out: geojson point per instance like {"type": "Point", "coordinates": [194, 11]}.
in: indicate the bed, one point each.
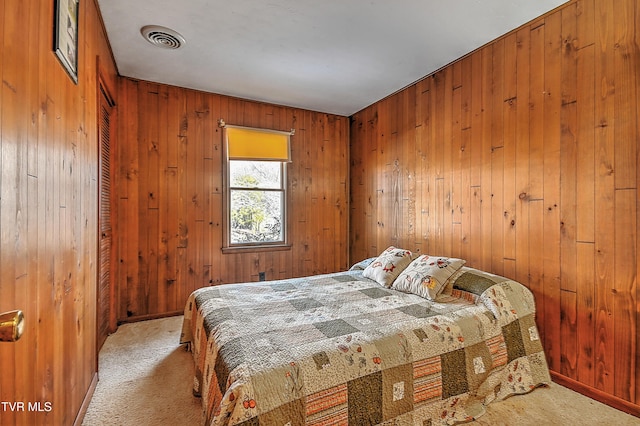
{"type": "Point", "coordinates": [349, 348]}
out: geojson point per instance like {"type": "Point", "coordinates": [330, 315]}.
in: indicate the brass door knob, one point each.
{"type": "Point", "coordinates": [11, 326]}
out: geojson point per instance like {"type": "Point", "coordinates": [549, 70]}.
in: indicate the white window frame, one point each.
{"type": "Point", "coordinates": [230, 247]}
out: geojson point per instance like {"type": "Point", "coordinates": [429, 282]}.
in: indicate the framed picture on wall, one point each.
{"type": "Point", "coordinates": [66, 36]}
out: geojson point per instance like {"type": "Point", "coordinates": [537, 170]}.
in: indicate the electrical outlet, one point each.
{"type": "Point", "coordinates": [261, 276]}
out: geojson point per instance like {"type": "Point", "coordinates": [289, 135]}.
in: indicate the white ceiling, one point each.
{"type": "Point", "coordinates": [335, 56]}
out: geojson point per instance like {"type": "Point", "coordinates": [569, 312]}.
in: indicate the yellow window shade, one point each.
{"type": "Point", "coordinates": [255, 144]}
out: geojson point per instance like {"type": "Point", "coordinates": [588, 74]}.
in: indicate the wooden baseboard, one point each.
{"type": "Point", "coordinates": [86, 400]}
{"type": "Point", "coordinates": [150, 317]}
{"type": "Point", "coordinates": [596, 394]}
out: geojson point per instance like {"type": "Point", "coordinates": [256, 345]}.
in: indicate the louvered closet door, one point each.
{"type": "Point", "coordinates": [104, 223]}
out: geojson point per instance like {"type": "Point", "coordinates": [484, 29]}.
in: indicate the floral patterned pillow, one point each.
{"type": "Point", "coordinates": [388, 265]}
{"type": "Point", "coordinates": [427, 275]}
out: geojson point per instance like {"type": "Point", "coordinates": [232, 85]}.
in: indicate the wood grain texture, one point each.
{"type": "Point", "coordinates": [170, 222]}
{"type": "Point", "coordinates": [546, 122]}
{"type": "Point", "coordinates": [49, 152]}
{"type": "Point", "coordinates": [604, 195]}
{"type": "Point", "coordinates": [521, 158]}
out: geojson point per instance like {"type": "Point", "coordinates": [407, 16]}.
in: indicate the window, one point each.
{"type": "Point", "coordinates": [257, 202]}
{"type": "Point", "coordinates": [255, 188]}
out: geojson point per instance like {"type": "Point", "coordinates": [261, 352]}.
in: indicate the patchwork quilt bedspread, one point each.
{"type": "Point", "coordinates": [341, 349]}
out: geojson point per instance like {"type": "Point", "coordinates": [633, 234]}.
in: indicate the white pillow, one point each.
{"type": "Point", "coordinates": [388, 265]}
{"type": "Point", "coordinates": [427, 275]}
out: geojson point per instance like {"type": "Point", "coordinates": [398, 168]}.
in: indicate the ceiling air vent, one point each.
{"type": "Point", "coordinates": [162, 36]}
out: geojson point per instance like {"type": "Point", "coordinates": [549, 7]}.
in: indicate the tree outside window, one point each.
{"type": "Point", "coordinates": [256, 202]}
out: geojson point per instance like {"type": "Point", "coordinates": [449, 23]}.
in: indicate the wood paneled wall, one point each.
{"type": "Point", "coordinates": [522, 158]}
{"type": "Point", "coordinates": [169, 195]}
{"type": "Point", "coordinates": [48, 216]}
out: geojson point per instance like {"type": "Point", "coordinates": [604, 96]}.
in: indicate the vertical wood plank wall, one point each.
{"type": "Point", "coordinates": [522, 158]}
{"type": "Point", "coordinates": [169, 195]}
{"type": "Point", "coordinates": [48, 211]}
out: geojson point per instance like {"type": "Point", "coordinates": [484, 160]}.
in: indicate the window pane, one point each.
{"type": "Point", "coordinates": [255, 174]}
{"type": "Point", "coordinates": [256, 216]}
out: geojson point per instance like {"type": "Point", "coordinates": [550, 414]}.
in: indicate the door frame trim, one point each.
{"type": "Point", "coordinates": [104, 93]}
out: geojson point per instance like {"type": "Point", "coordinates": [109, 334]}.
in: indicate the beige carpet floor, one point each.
{"type": "Point", "coordinates": [146, 378]}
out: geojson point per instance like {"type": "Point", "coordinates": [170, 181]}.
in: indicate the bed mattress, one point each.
{"type": "Point", "coordinates": [342, 349]}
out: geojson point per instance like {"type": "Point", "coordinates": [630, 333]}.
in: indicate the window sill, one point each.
{"type": "Point", "coordinates": [253, 249]}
